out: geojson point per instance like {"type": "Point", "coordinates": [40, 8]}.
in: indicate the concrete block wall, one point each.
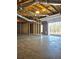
{"type": "Point", "coordinates": [45, 27]}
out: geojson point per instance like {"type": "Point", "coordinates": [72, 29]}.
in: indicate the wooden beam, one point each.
{"type": "Point", "coordinates": [25, 3]}
{"type": "Point", "coordinates": [55, 8]}
{"type": "Point", "coordinates": [47, 9]}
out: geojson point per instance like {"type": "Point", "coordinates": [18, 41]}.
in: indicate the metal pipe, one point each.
{"type": "Point", "coordinates": [27, 19]}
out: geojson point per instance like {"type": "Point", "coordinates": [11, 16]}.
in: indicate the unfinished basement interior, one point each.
{"type": "Point", "coordinates": [38, 29]}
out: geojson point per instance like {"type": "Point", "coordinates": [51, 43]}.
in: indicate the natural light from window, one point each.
{"type": "Point", "coordinates": [54, 28]}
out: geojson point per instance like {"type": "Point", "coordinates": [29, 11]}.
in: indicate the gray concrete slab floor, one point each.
{"type": "Point", "coordinates": [38, 47]}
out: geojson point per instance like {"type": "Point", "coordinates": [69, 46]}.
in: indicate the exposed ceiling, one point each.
{"type": "Point", "coordinates": [32, 9]}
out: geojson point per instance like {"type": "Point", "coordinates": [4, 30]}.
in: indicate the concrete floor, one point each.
{"type": "Point", "coordinates": [38, 47]}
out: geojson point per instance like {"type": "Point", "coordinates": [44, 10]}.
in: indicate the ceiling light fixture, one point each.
{"type": "Point", "coordinates": [37, 12]}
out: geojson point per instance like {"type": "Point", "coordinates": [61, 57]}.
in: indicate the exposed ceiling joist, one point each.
{"type": "Point", "coordinates": [38, 10]}
{"type": "Point", "coordinates": [49, 9]}
{"type": "Point", "coordinates": [26, 3]}
{"type": "Point", "coordinates": [54, 1]}
{"type": "Point", "coordinates": [55, 8]}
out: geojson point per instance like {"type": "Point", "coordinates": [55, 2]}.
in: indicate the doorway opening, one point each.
{"type": "Point", "coordinates": [41, 29]}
